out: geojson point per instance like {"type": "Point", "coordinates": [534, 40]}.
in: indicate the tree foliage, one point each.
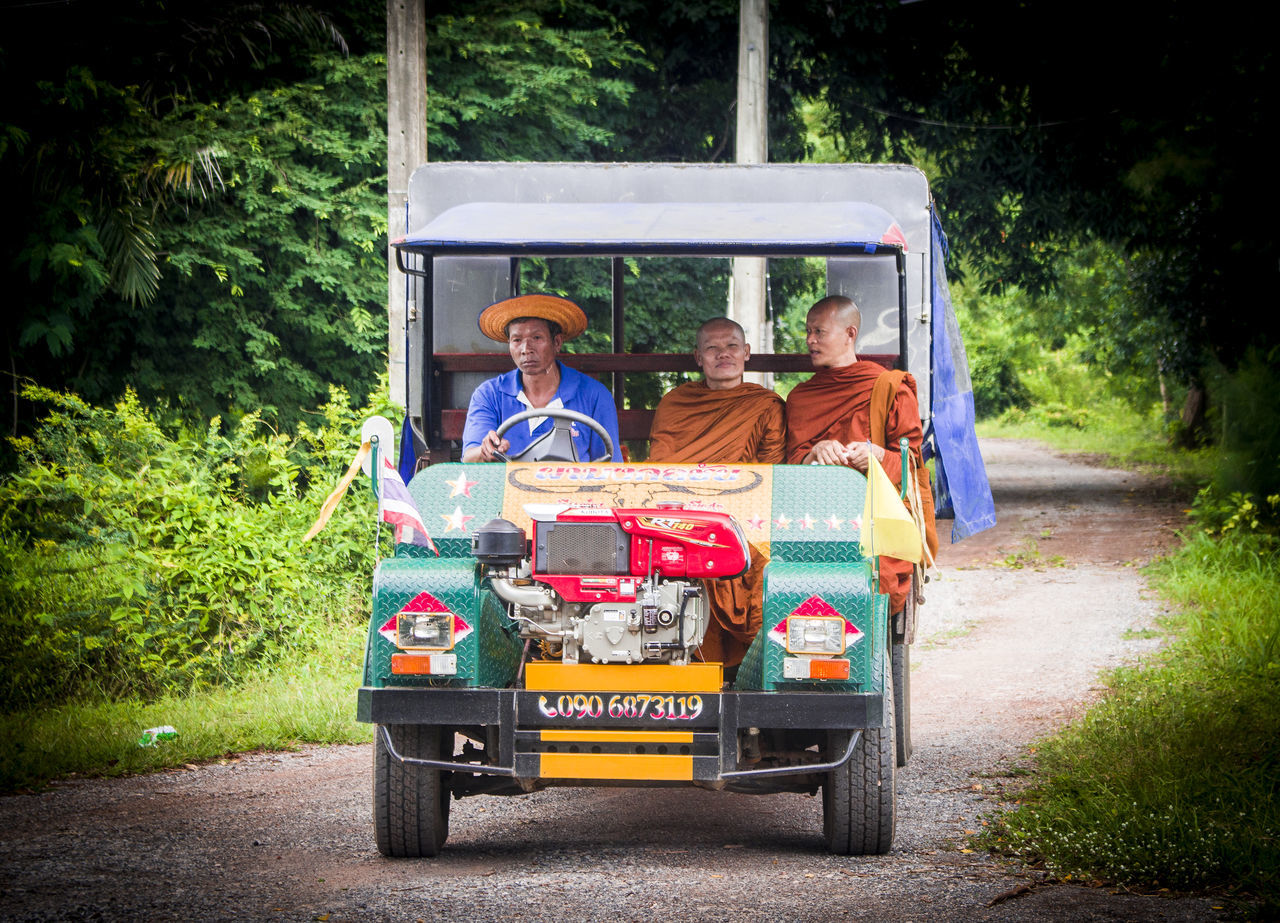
{"type": "Point", "coordinates": [278, 283]}
{"type": "Point", "coordinates": [1141, 125]}
{"type": "Point", "coordinates": [135, 135]}
{"type": "Point", "coordinates": [1043, 128]}
{"type": "Point", "coordinates": [535, 81]}
{"type": "Point", "coordinates": [195, 192]}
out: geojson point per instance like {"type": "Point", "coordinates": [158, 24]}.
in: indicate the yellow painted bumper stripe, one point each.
{"type": "Point", "coordinates": [632, 766]}
{"type": "Point", "coordinates": [621, 737]}
{"type": "Point", "coordinates": [620, 677]}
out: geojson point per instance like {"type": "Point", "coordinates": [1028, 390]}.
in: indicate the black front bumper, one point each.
{"type": "Point", "coordinates": [521, 717]}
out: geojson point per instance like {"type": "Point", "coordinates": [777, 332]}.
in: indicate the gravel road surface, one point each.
{"type": "Point", "coordinates": [1019, 623]}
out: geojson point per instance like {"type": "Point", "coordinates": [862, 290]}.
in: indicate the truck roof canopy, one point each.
{"type": "Point", "coordinates": [659, 228]}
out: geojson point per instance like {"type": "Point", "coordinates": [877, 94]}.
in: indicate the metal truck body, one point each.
{"type": "Point", "coordinates": [553, 640]}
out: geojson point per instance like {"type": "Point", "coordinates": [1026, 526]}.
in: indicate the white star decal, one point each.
{"type": "Point", "coordinates": [807, 522]}
{"type": "Point", "coordinates": [783, 522]}
{"type": "Point", "coordinates": [755, 522]}
{"type": "Point", "coordinates": [456, 520]}
{"type": "Point", "coordinates": [833, 522]}
{"type": "Point", "coordinates": [461, 486]}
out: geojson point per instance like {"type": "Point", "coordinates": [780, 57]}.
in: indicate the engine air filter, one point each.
{"type": "Point", "coordinates": [581, 548]}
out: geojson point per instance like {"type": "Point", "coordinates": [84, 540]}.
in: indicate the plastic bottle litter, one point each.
{"type": "Point", "coordinates": [151, 735]}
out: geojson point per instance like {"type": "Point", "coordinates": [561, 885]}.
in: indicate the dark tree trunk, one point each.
{"type": "Point", "coordinates": [1194, 430]}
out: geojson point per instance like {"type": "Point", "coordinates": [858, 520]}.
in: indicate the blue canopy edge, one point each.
{"type": "Point", "coordinates": [707, 228]}
{"type": "Point", "coordinates": [961, 488]}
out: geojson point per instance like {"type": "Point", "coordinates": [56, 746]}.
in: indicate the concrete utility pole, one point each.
{"type": "Point", "coordinates": [747, 296]}
{"type": "Point", "coordinates": [406, 149]}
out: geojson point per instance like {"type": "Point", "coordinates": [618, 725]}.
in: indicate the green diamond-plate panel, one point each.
{"type": "Point", "coordinates": [814, 551]}
{"type": "Point", "coordinates": [454, 500]}
{"type": "Point", "coordinates": [847, 589]}
{"type": "Point", "coordinates": [396, 582]}
{"type": "Point", "coordinates": [498, 644]}
{"type": "Point", "coordinates": [750, 676]}
{"type": "Point", "coordinates": [819, 552]}
{"type": "Point", "coordinates": [817, 513]}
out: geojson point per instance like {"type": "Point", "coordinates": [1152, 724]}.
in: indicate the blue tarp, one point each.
{"type": "Point", "coordinates": [961, 488]}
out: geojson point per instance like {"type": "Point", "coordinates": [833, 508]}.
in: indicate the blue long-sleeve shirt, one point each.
{"type": "Point", "coordinates": [498, 398]}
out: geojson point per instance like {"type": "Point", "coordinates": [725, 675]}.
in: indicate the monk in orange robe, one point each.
{"type": "Point", "coordinates": [853, 407]}
{"type": "Point", "coordinates": [717, 420]}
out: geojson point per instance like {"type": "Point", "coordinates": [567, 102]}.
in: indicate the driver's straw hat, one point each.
{"type": "Point", "coordinates": [494, 319]}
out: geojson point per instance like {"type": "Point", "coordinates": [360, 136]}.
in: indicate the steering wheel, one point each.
{"type": "Point", "coordinates": [559, 437]}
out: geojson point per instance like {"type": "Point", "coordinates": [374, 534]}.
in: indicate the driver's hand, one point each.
{"type": "Point", "coordinates": [491, 445]}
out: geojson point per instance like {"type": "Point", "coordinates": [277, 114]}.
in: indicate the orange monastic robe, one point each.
{"type": "Point", "coordinates": [836, 404]}
{"type": "Point", "coordinates": [694, 423]}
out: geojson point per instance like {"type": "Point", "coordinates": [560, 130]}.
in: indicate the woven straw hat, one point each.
{"type": "Point", "coordinates": [493, 320]}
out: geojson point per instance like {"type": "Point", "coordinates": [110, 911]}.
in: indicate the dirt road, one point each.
{"type": "Point", "coordinates": [1007, 652]}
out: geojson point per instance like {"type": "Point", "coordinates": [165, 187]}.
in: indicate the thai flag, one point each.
{"type": "Point", "coordinates": [398, 508]}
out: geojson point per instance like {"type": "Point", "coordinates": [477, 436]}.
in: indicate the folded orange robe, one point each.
{"type": "Point", "coordinates": [836, 404]}
{"type": "Point", "coordinates": [694, 423]}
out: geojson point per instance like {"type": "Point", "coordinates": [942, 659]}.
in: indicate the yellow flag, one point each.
{"type": "Point", "coordinates": [331, 504]}
{"type": "Point", "coordinates": [887, 526]}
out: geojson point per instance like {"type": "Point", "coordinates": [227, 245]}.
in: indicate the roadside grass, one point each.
{"type": "Point", "coordinates": [304, 696]}
{"type": "Point", "coordinates": [1171, 780]}
{"type": "Point", "coordinates": [1111, 429]}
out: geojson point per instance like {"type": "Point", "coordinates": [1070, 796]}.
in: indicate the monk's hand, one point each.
{"type": "Point", "coordinates": [491, 445]}
{"type": "Point", "coordinates": [858, 452]}
{"type": "Point", "coordinates": [828, 452]}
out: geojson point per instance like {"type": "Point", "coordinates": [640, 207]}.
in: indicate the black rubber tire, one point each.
{"type": "Point", "coordinates": [900, 656]}
{"type": "Point", "coordinates": [860, 799]}
{"type": "Point", "coordinates": [410, 803]}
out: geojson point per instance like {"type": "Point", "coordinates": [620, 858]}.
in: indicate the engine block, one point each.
{"type": "Point", "coordinates": [613, 585]}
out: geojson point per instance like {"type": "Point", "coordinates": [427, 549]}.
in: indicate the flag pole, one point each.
{"type": "Point", "coordinates": [906, 468]}
{"type": "Point", "coordinates": [871, 525]}
{"type": "Point", "coordinates": [375, 470]}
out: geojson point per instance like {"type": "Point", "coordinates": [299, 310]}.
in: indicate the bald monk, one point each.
{"type": "Point", "coordinates": [721, 418]}
{"type": "Point", "coordinates": [716, 420]}
{"type": "Point", "coordinates": [833, 419]}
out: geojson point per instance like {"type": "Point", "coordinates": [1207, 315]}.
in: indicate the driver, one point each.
{"type": "Point", "coordinates": [534, 327]}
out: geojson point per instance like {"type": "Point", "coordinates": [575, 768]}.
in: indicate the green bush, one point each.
{"type": "Point", "coordinates": [1249, 426]}
{"type": "Point", "coordinates": [1086, 339]}
{"type": "Point", "coordinates": [1058, 414]}
{"type": "Point", "coordinates": [999, 349]}
{"type": "Point", "coordinates": [1236, 514]}
{"type": "Point", "coordinates": [138, 560]}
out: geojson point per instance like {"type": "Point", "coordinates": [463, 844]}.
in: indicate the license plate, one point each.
{"type": "Point", "coordinates": [636, 706]}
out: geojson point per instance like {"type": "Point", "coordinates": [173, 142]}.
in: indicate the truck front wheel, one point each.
{"type": "Point", "coordinates": [902, 628]}
{"type": "Point", "coordinates": [900, 658]}
{"type": "Point", "coordinates": [859, 800]}
{"type": "Point", "coordinates": [410, 802]}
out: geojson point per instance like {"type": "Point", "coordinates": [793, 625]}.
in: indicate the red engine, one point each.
{"type": "Point", "coordinates": [591, 554]}
{"type": "Point", "coordinates": [611, 586]}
